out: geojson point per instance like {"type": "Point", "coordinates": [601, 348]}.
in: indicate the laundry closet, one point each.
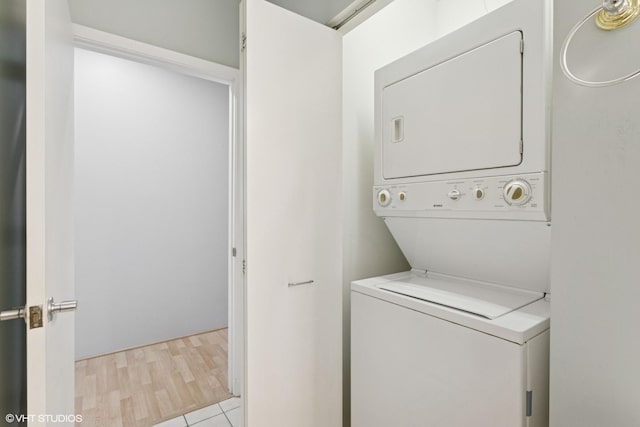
{"type": "Point", "coordinates": [503, 184]}
{"type": "Point", "coordinates": [462, 181]}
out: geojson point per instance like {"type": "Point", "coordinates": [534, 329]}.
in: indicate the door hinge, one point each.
{"type": "Point", "coordinates": [529, 403]}
{"type": "Point", "coordinates": [233, 251]}
{"type": "Point", "coordinates": [244, 266]}
{"type": "Point", "coordinates": [243, 42]}
{"type": "Point", "coordinates": [521, 46]}
{"type": "Point", "coordinates": [35, 317]}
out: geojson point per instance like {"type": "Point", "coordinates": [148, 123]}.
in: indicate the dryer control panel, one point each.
{"type": "Point", "coordinates": [515, 197]}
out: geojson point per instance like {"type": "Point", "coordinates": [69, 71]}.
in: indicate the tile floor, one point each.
{"type": "Point", "coordinates": [223, 414]}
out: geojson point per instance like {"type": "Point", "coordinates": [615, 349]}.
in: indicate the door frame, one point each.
{"type": "Point", "coordinates": [122, 47]}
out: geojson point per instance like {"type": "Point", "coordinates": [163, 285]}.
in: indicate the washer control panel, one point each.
{"type": "Point", "coordinates": [501, 197]}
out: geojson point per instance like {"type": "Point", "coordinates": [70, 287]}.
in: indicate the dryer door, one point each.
{"type": "Point", "coordinates": [459, 115]}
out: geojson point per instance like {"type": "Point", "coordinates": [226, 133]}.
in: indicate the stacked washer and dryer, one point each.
{"type": "Point", "coordinates": [462, 182]}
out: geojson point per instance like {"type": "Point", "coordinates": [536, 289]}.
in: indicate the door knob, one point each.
{"type": "Point", "coordinates": [53, 308]}
{"type": "Point", "coordinates": [16, 313]}
{"type": "Point", "coordinates": [34, 313]}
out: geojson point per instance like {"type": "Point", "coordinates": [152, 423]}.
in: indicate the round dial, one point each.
{"type": "Point", "coordinates": [478, 193]}
{"type": "Point", "coordinates": [517, 192]}
{"type": "Point", "coordinates": [384, 198]}
{"type": "Point", "coordinates": [454, 194]}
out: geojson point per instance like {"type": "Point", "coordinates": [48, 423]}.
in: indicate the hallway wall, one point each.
{"type": "Point", "coordinates": [151, 204]}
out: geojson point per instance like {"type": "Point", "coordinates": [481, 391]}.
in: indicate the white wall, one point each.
{"type": "Point", "coordinates": [595, 240]}
{"type": "Point", "coordinates": [453, 14]}
{"type": "Point", "coordinates": [396, 30]}
{"type": "Point", "coordinates": [206, 29]}
{"type": "Point", "coordinates": [151, 204]}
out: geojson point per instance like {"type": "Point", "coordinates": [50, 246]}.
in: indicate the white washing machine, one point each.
{"type": "Point", "coordinates": [423, 364]}
{"type": "Point", "coordinates": [462, 182]}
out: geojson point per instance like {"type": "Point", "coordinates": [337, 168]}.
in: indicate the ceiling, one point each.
{"type": "Point", "coordinates": [321, 11]}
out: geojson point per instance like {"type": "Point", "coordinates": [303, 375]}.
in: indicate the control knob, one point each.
{"type": "Point", "coordinates": [384, 198]}
{"type": "Point", "coordinates": [454, 194]}
{"type": "Point", "coordinates": [517, 192]}
{"type": "Point", "coordinates": [478, 193]}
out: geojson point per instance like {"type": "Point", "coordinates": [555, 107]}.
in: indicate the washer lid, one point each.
{"type": "Point", "coordinates": [482, 299]}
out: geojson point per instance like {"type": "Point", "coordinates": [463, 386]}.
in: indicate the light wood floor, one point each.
{"type": "Point", "coordinates": [143, 386]}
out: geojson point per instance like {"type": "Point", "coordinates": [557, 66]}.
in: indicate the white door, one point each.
{"type": "Point", "coordinates": [294, 256]}
{"type": "Point", "coordinates": [50, 352]}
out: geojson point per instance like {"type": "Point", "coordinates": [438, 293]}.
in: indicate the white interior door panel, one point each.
{"type": "Point", "coordinates": [50, 270]}
{"type": "Point", "coordinates": [294, 166]}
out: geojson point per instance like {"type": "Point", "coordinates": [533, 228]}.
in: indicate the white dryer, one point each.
{"type": "Point", "coordinates": [462, 182]}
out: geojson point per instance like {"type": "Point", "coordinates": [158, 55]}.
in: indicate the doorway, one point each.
{"type": "Point", "coordinates": [156, 207]}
